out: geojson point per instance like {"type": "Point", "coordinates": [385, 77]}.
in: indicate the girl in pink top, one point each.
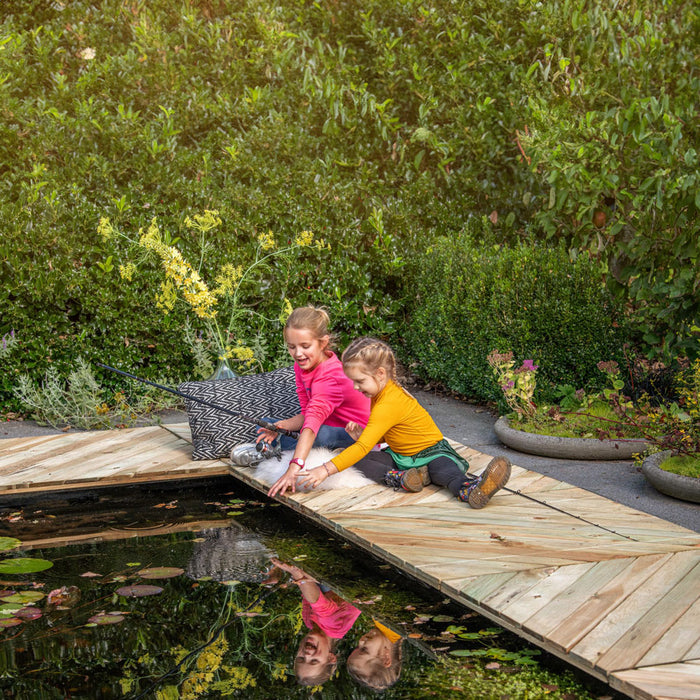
{"type": "Point", "coordinates": [328, 618]}
{"type": "Point", "coordinates": [327, 397]}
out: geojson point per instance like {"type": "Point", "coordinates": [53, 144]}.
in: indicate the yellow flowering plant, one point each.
{"type": "Point", "coordinates": [219, 306]}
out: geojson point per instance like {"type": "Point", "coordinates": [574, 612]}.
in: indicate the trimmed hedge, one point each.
{"type": "Point", "coordinates": [474, 295]}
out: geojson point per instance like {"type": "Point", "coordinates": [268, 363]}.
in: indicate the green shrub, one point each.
{"type": "Point", "coordinates": [377, 125]}
{"type": "Point", "coordinates": [474, 295]}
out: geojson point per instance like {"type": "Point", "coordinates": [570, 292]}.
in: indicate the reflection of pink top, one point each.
{"type": "Point", "coordinates": [327, 397]}
{"type": "Point", "coordinates": [335, 619]}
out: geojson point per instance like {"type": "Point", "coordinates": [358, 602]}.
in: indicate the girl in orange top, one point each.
{"type": "Point", "coordinates": [417, 454]}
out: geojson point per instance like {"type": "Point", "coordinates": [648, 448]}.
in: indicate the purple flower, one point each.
{"type": "Point", "coordinates": [529, 366]}
{"type": "Point", "coordinates": [508, 385]}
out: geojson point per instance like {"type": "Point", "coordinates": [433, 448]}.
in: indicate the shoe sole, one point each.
{"type": "Point", "coordinates": [415, 479]}
{"type": "Point", "coordinates": [494, 478]}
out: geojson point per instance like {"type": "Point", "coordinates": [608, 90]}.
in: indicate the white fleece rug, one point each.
{"type": "Point", "coordinates": [270, 470]}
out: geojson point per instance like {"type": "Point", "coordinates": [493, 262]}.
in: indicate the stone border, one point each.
{"type": "Point", "coordinates": [565, 447]}
{"type": "Point", "coordinates": [686, 488]}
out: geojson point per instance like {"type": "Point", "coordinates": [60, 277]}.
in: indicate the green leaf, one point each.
{"type": "Point", "coordinates": [7, 543]}
{"type": "Point", "coordinates": [24, 565]}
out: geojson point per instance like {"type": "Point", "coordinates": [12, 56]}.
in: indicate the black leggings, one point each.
{"type": "Point", "coordinates": [443, 471]}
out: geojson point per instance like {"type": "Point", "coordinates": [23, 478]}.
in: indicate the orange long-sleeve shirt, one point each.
{"type": "Point", "coordinates": [397, 419]}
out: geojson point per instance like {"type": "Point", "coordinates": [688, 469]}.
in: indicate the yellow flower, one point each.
{"type": "Point", "coordinates": [286, 310]}
{"type": "Point", "coordinates": [182, 275]}
{"type": "Point", "coordinates": [167, 297]}
{"type": "Point", "coordinates": [105, 228]}
{"type": "Point", "coordinates": [126, 272]}
{"type": "Point", "coordinates": [304, 238]}
{"type": "Point", "coordinates": [227, 279]}
{"type": "Point", "coordinates": [279, 672]}
{"type": "Point", "coordinates": [266, 241]}
{"type": "Point", "coordinates": [204, 222]}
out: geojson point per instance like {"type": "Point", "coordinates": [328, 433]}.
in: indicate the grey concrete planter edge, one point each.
{"type": "Point", "coordinates": [685, 488]}
{"type": "Point", "coordinates": [565, 447]}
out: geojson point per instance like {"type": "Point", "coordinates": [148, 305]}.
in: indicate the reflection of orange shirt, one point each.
{"type": "Point", "coordinates": [397, 419]}
{"type": "Point", "coordinates": [333, 618]}
{"type": "Point", "coordinates": [392, 636]}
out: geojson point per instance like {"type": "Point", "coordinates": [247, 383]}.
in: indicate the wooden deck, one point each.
{"type": "Point", "coordinates": [611, 590]}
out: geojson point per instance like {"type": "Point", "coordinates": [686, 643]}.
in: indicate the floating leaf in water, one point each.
{"type": "Point", "coordinates": [9, 622]}
{"type": "Point", "coordinates": [23, 565]}
{"type": "Point", "coordinates": [90, 574]}
{"type": "Point", "coordinates": [4, 594]}
{"type": "Point", "coordinates": [7, 543]}
{"type": "Point", "coordinates": [29, 613]}
{"type": "Point", "coordinates": [107, 618]}
{"type": "Point", "coordinates": [133, 563]}
{"type": "Point", "coordinates": [24, 597]}
{"type": "Point", "coordinates": [139, 590]}
{"type": "Point", "coordinates": [161, 572]}
{"type": "Point", "coordinates": [232, 513]}
{"type": "Point", "coordinates": [9, 609]}
{"type": "Point", "coordinates": [64, 596]}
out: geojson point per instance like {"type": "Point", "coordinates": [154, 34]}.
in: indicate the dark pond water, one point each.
{"type": "Point", "coordinates": [189, 593]}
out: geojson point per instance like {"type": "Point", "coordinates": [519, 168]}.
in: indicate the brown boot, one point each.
{"type": "Point", "coordinates": [480, 491]}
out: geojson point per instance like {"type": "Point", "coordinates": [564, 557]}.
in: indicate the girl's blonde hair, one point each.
{"type": "Point", "coordinates": [310, 318]}
{"type": "Point", "coordinates": [378, 676]}
{"type": "Point", "coordinates": [371, 354]}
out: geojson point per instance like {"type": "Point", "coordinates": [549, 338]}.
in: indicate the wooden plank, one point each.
{"type": "Point", "coordinates": [679, 681]}
{"type": "Point", "coordinates": [678, 641]}
{"type": "Point", "coordinates": [587, 615]}
{"type": "Point", "coordinates": [557, 580]}
{"type": "Point", "coordinates": [632, 646]}
{"type": "Point", "coordinates": [618, 621]}
{"type": "Point", "coordinates": [114, 534]}
{"type": "Point", "coordinates": [548, 617]}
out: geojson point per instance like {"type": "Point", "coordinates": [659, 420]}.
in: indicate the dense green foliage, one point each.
{"type": "Point", "coordinates": [379, 126]}
{"type": "Point", "coordinates": [478, 296]}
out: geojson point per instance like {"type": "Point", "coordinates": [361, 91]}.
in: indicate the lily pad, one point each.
{"type": "Point", "coordinates": [161, 572]}
{"type": "Point", "coordinates": [24, 565]}
{"type": "Point", "coordinates": [104, 618]}
{"type": "Point", "coordinates": [5, 593]}
{"type": "Point", "coordinates": [139, 591]}
{"type": "Point", "coordinates": [24, 597]}
{"type": "Point", "coordinates": [29, 613]}
{"type": "Point", "coordinates": [9, 622]}
{"type": "Point", "coordinates": [9, 609]}
{"type": "Point", "coordinates": [7, 543]}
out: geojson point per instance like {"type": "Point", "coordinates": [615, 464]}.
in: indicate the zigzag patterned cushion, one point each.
{"type": "Point", "coordinates": [214, 433]}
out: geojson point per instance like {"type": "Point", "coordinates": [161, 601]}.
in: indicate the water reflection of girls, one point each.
{"type": "Point", "coordinates": [328, 618]}
{"type": "Point", "coordinates": [376, 661]}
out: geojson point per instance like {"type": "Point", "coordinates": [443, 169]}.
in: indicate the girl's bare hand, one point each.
{"type": "Point", "coordinates": [266, 435]}
{"type": "Point", "coordinates": [354, 430]}
{"type": "Point", "coordinates": [288, 480]}
{"type": "Point", "coordinates": [312, 478]}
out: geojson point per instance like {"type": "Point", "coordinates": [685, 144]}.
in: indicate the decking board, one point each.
{"type": "Point", "coordinates": [611, 590]}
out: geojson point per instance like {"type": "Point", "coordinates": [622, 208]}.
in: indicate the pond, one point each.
{"type": "Point", "coordinates": [207, 592]}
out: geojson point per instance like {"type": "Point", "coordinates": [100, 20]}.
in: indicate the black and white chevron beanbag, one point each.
{"type": "Point", "coordinates": [214, 433]}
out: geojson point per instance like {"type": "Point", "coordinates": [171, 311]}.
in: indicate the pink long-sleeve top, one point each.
{"type": "Point", "coordinates": [333, 618]}
{"type": "Point", "coordinates": [327, 397]}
